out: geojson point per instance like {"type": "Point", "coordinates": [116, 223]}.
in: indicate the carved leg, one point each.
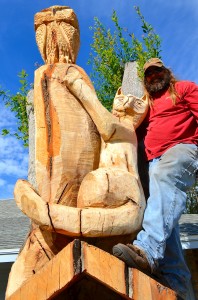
{"type": "Point", "coordinates": [53, 217]}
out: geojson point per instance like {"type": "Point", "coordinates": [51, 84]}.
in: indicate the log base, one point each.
{"type": "Point", "coordinates": [81, 271]}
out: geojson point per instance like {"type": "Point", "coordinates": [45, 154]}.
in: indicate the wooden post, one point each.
{"type": "Point", "coordinates": [131, 84]}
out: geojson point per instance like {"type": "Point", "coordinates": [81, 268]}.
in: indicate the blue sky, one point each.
{"type": "Point", "coordinates": [175, 21]}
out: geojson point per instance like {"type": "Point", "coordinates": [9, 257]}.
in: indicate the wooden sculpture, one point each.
{"type": "Point", "coordinates": [87, 183]}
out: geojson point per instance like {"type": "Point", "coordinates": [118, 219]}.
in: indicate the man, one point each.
{"type": "Point", "coordinates": [171, 145]}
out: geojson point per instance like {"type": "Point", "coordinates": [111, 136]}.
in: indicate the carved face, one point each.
{"type": "Point", "coordinates": [57, 34]}
{"type": "Point", "coordinates": [129, 103]}
{"type": "Point", "coordinates": [119, 101]}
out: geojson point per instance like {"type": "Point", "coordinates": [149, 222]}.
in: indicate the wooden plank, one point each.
{"type": "Point", "coordinates": [161, 291]}
{"type": "Point", "coordinates": [98, 266]}
{"type": "Point", "coordinates": [32, 290]}
{"type": "Point", "coordinates": [16, 295]}
{"type": "Point", "coordinates": [141, 286]}
{"type": "Point", "coordinates": [104, 267]}
{"type": "Point", "coordinates": [54, 276]}
{"type": "Point", "coordinates": [20, 294]}
{"type": "Point", "coordinates": [41, 285]}
{"type": "Point", "coordinates": [66, 265]}
{"type": "Point", "coordinates": [147, 288]}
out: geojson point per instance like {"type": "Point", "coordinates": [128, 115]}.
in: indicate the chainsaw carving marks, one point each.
{"type": "Point", "coordinates": [57, 34]}
{"type": "Point", "coordinates": [67, 141]}
{"type": "Point", "coordinates": [86, 179]}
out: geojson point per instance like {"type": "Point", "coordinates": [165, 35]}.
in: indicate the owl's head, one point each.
{"type": "Point", "coordinates": [57, 34]}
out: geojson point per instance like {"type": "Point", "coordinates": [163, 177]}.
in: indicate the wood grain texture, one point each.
{"type": "Point", "coordinates": [147, 288]}
{"type": "Point", "coordinates": [98, 273]}
{"type": "Point", "coordinates": [116, 181]}
{"type": "Point", "coordinates": [57, 34]}
{"type": "Point", "coordinates": [67, 141]}
{"type": "Point", "coordinates": [112, 221]}
{"type": "Point", "coordinates": [104, 267]}
{"type": "Point", "coordinates": [49, 216]}
{"type": "Point", "coordinates": [53, 277]}
{"type": "Point", "coordinates": [37, 251]}
{"type": "Point", "coordinates": [88, 222]}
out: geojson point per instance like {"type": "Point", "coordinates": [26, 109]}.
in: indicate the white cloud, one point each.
{"type": "Point", "coordinates": [13, 157]}
{"type": "Point", "coordinates": [11, 147]}
{"type": "Point", "coordinates": [7, 118]}
{"type": "Point", "coordinates": [13, 165]}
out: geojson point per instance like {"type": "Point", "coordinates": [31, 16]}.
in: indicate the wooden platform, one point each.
{"type": "Point", "coordinates": [81, 271]}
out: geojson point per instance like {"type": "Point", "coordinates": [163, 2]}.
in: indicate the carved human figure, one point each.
{"type": "Point", "coordinates": [85, 158]}
{"type": "Point", "coordinates": [67, 142]}
{"type": "Point", "coordinates": [67, 147]}
{"type": "Point", "coordinates": [71, 128]}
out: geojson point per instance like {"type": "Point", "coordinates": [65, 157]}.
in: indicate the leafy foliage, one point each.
{"type": "Point", "coordinates": [17, 104]}
{"type": "Point", "coordinates": [149, 47]}
{"type": "Point", "coordinates": [192, 199]}
{"type": "Point", "coordinates": [110, 52]}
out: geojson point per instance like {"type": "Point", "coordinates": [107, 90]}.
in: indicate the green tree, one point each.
{"type": "Point", "coordinates": [110, 52]}
{"type": "Point", "coordinates": [17, 104]}
{"type": "Point", "coordinates": [192, 200]}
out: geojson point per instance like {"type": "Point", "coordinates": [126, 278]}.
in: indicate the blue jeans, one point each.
{"type": "Point", "coordinates": [170, 175]}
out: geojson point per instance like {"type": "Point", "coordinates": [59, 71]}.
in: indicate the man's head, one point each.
{"type": "Point", "coordinates": [156, 76]}
{"type": "Point", "coordinates": [153, 62]}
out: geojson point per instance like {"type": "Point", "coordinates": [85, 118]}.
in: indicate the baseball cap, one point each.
{"type": "Point", "coordinates": [153, 62]}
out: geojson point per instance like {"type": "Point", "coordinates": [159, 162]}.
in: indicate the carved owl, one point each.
{"type": "Point", "coordinates": [57, 34]}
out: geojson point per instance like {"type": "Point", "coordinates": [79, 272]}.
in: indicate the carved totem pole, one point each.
{"type": "Point", "coordinates": [87, 183]}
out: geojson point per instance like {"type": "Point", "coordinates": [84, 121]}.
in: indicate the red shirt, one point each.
{"type": "Point", "coordinates": [172, 124]}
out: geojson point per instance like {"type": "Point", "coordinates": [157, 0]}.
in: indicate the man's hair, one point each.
{"type": "Point", "coordinates": [171, 88]}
